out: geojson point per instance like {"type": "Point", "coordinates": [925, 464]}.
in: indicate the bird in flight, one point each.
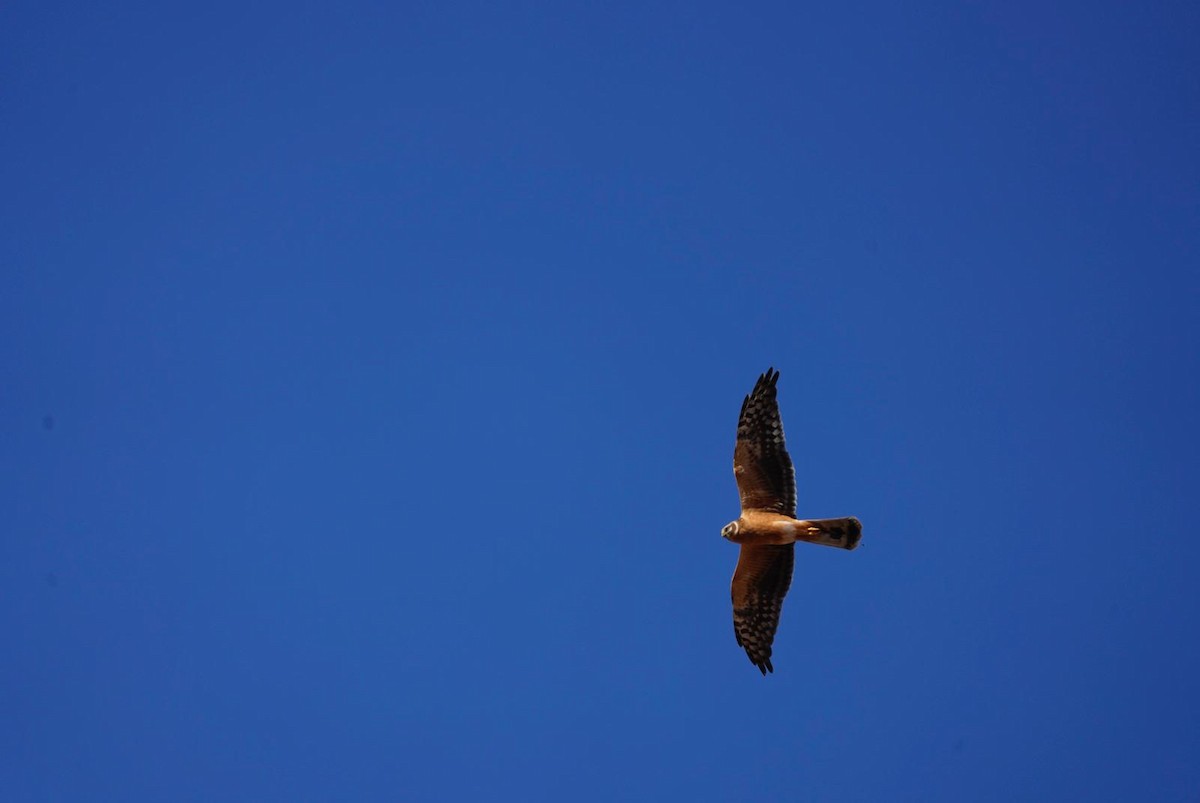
{"type": "Point", "coordinates": [768, 528]}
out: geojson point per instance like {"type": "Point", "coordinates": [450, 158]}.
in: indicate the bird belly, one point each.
{"type": "Point", "coordinates": [768, 528]}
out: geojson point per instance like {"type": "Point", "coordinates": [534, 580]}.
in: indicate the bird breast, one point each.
{"type": "Point", "coordinates": [758, 527]}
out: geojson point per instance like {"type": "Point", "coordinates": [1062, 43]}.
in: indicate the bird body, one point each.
{"type": "Point", "coordinates": [759, 527]}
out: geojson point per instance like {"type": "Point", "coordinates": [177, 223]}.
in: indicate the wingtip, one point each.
{"type": "Point", "coordinates": [763, 664]}
{"type": "Point", "coordinates": [765, 384]}
{"type": "Point", "coordinates": [766, 381]}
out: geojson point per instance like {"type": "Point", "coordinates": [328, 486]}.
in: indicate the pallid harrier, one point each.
{"type": "Point", "coordinates": [768, 527]}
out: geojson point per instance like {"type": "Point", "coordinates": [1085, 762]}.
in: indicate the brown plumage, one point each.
{"type": "Point", "coordinates": [768, 528]}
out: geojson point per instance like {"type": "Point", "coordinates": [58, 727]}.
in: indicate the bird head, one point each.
{"type": "Point", "coordinates": [730, 530]}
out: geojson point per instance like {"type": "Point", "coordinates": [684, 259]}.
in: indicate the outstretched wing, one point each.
{"type": "Point", "coordinates": [760, 582]}
{"type": "Point", "coordinates": [765, 477]}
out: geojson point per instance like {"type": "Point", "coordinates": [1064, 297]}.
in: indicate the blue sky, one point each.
{"type": "Point", "coordinates": [369, 375]}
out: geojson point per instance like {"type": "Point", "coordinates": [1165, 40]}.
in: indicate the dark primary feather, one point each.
{"type": "Point", "coordinates": [765, 476]}
{"type": "Point", "coordinates": [760, 582]}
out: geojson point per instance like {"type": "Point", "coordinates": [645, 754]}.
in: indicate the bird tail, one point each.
{"type": "Point", "coordinates": [843, 533]}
